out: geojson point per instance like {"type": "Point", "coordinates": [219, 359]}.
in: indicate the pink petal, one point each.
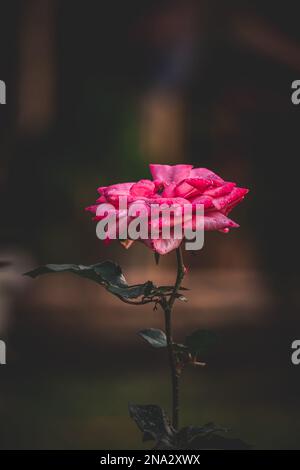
{"type": "Point", "coordinates": [212, 221]}
{"type": "Point", "coordinates": [162, 219]}
{"type": "Point", "coordinates": [114, 192]}
{"type": "Point", "coordinates": [161, 246]}
{"type": "Point", "coordinates": [183, 189]}
{"type": "Point", "coordinates": [206, 174]}
{"type": "Point", "coordinates": [169, 190]}
{"type": "Point", "coordinates": [202, 183]}
{"type": "Point", "coordinates": [120, 186]}
{"type": "Point", "coordinates": [101, 189]}
{"type": "Point", "coordinates": [139, 205]}
{"type": "Point", "coordinates": [207, 201]}
{"type": "Point", "coordinates": [123, 188]}
{"type": "Point", "coordinates": [167, 200]}
{"type": "Point", "coordinates": [92, 208]}
{"type": "Point", "coordinates": [144, 188]}
{"type": "Point", "coordinates": [218, 221]}
{"type": "Point", "coordinates": [170, 173]}
{"type": "Point", "coordinates": [220, 190]}
{"type": "Point", "coordinates": [101, 199]}
{"type": "Point", "coordinates": [227, 202]}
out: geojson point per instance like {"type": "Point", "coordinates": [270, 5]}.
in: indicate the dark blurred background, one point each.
{"type": "Point", "coordinates": [96, 91]}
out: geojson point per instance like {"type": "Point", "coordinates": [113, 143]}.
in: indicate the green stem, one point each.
{"type": "Point", "coordinates": [167, 307]}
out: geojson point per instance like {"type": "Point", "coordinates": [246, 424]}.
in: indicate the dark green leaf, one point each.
{"type": "Point", "coordinates": [132, 292]}
{"type": "Point", "coordinates": [107, 273]}
{"type": "Point", "coordinates": [156, 338]}
{"type": "Point", "coordinates": [156, 257]}
{"type": "Point", "coordinates": [153, 423]}
{"type": "Point", "coordinates": [199, 341]}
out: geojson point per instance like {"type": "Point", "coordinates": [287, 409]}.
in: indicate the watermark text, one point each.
{"type": "Point", "coordinates": [2, 352]}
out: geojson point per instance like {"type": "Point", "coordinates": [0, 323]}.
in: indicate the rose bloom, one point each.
{"type": "Point", "coordinates": [174, 185]}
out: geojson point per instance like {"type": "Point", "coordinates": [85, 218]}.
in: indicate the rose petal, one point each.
{"type": "Point", "coordinates": [114, 192]}
{"type": "Point", "coordinates": [183, 189]}
{"type": "Point", "coordinates": [92, 208]}
{"type": "Point", "coordinates": [206, 174]}
{"type": "Point", "coordinates": [170, 173]}
{"type": "Point", "coordinates": [230, 200]}
{"type": "Point", "coordinates": [169, 190]}
{"type": "Point", "coordinates": [101, 199]}
{"type": "Point", "coordinates": [220, 190]}
{"type": "Point", "coordinates": [201, 184]}
{"type": "Point", "coordinates": [144, 188]}
{"type": "Point", "coordinates": [218, 221]}
{"type": "Point", "coordinates": [101, 189]}
{"type": "Point", "coordinates": [161, 246]}
{"type": "Point", "coordinates": [207, 201]}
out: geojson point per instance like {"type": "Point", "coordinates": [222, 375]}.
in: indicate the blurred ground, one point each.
{"type": "Point", "coordinates": [63, 410]}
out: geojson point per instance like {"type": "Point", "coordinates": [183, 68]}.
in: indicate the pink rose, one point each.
{"type": "Point", "coordinates": [175, 185]}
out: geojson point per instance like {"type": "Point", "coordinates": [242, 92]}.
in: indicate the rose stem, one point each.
{"type": "Point", "coordinates": [167, 306]}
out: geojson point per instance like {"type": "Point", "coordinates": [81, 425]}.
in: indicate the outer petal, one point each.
{"type": "Point", "coordinates": [229, 201]}
{"type": "Point", "coordinates": [206, 174]}
{"type": "Point", "coordinates": [92, 208]}
{"type": "Point", "coordinates": [170, 173]}
{"type": "Point", "coordinates": [101, 189]}
{"type": "Point", "coordinates": [213, 220]}
{"type": "Point", "coordinates": [114, 192]}
{"type": "Point", "coordinates": [161, 246]}
{"type": "Point", "coordinates": [101, 200]}
{"type": "Point", "coordinates": [119, 186]}
{"type": "Point", "coordinates": [218, 221]}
